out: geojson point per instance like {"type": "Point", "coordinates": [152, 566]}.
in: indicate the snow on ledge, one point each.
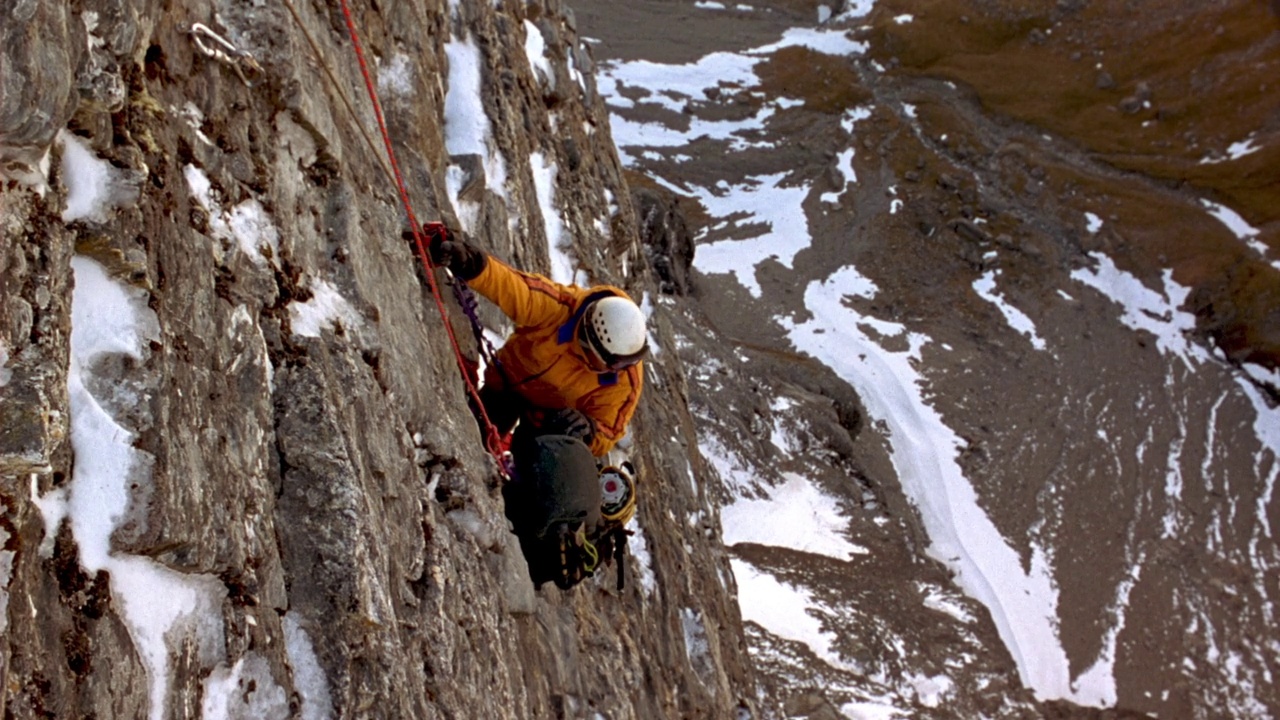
{"type": "Point", "coordinates": [5, 373]}
{"type": "Point", "coordinates": [157, 605]}
{"type": "Point", "coordinates": [559, 248]}
{"type": "Point", "coordinates": [535, 48]}
{"type": "Point", "coordinates": [466, 126]}
{"type": "Point", "coordinates": [796, 515]}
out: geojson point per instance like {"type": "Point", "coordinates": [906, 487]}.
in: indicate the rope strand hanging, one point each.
{"type": "Point", "coordinates": [492, 439]}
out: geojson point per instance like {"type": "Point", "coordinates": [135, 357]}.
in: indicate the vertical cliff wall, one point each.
{"type": "Point", "coordinates": [238, 476]}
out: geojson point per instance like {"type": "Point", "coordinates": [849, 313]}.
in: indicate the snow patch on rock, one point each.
{"type": "Point", "coordinates": [160, 608]}
{"type": "Point", "coordinates": [466, 126]}
{"type": "Point", "coordinates": [559, 245]}
{"type": "Point", "coordinates": [244, 690]}
{"type": "Point", "coordinates": [395, 78]}
{"type": "Point", "coordinates": [94, 186]}
{"type": "Point", "coordinates": [308, 677]}
{"type": "Point", "coordinates": [325, 309]}
{"type": "Point", "coordinates": [247, 224]}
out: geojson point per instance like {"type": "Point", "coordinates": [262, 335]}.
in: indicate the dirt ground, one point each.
{"type": "Point", "coordinates": [1024, 119]}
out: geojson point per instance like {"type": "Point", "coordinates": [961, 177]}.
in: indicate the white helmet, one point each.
{"type": "Point", "coordinates": [614, 326]}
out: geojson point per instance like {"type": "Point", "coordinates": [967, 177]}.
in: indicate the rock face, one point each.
{"type": "Point", "coordinates": [300, 519]}
{"type": "Point", "coordinates": [666, 237]}
{"type": "Point", "coordinates": [239, 478]}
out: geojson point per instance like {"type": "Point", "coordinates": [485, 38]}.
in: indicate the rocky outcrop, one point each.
{"type": "Point", "coordinates": [309, 524]}
{"type": "Point", "coordinates": [666, 236]}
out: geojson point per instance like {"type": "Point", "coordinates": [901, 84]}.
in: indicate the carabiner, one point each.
{"type": "Point", "coordinates": [239, 60]}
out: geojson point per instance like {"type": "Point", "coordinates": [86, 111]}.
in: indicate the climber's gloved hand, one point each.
{"type": "Point", "coordinates": [571, 422]}
{"type": "Point", "coordinates": [449, 248]}
{"type": "Point", "coordinates": [465, 260]}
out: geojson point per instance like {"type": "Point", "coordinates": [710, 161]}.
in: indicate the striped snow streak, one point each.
{"type": "Point", "coordinates": [1173, 478]}
{"type": "Point", "coordinates": [1097, 685]}
{"type": "Point", "coordinates": [1162, 315]}
{"type": "Point", "coordinates": [1210, 441]}
{"type": "Point", "coordinates": [1022, 604]}
{"type": "Point", "coordinates": [1267, 462]}
{"type": "Point", "coordinates": [1214, 542]}
{"type": "Point", "coordinates": [558, 241]}
{"type": "Point", "coordinates": [467, 132]}
{"type": "Point", "coordinates": [1237, 660]}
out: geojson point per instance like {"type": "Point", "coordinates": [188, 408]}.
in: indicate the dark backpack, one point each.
{"type": "Point", "coordinates": [554, 502]}
{"type": "Point", "coordinates": [552, 499]}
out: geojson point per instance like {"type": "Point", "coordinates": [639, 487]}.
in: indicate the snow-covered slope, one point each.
{"type": "Point", "coordinates": [1046, 405]}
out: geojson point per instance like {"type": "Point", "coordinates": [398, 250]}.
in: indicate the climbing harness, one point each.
{"type": "Point", "coordinates": [492, 438]}
{"type": "Point", "coordinates": [245, 67]}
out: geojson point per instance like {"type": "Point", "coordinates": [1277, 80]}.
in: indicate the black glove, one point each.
{"type": "Point", "coordinates": [569, 422]}
{"type": "Point", "coordinates": [449, 249]}
{"type": "Point", "coordinates": [465, 260]}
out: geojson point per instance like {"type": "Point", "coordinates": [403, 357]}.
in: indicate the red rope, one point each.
{"type": "Point", "coordinates": [493, 440]}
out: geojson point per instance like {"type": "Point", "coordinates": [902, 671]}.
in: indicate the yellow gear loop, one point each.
{"type": "Point", "coordinates": [590, 550]}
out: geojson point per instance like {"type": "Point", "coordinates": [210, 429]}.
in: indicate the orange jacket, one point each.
{"type": "Point", "coordinates": [542, 361]}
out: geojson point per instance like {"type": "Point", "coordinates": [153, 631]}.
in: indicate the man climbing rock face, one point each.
{"type": "Point", "coordinates": [573, 364]}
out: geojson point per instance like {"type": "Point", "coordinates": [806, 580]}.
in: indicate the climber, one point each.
{"type": "Point", "coordinates": [573, 364]}
{"type": "Point", "coordinates": [571, 375]}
